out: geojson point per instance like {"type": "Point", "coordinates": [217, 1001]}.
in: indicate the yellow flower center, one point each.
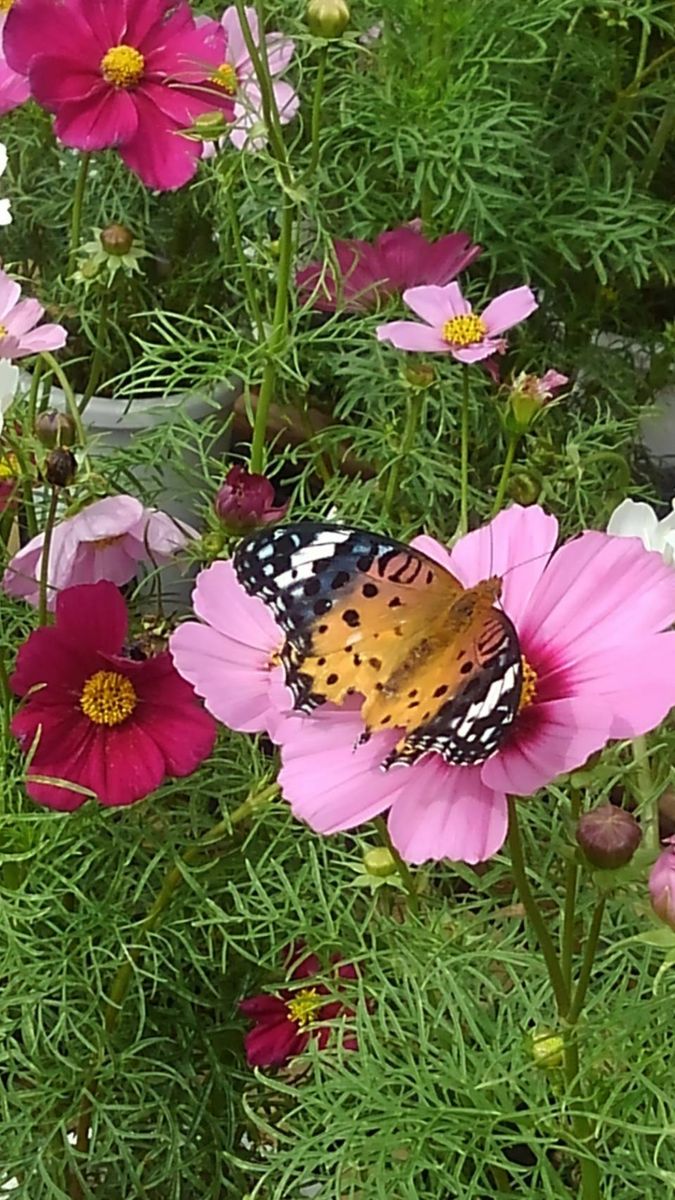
{"type": "Point", "coordinates": [9, 467]}
{"type": "Point", "coordinates": [5, 5]}
{"type": "Point", "coordinates": [529, 689]}
{"type": "Point", "coordinates": [304, 1006]}
{"type": "Point", "coordinates": [108, 698]}
{"type": "Point", "coordinates": [123, 66]}
{"type": "Point", "coordinates": [225, 77]}
{"type": "Point", "coordinates": [465, 330]}
{"type": "Point", "coordinates": [3, 328]}
{"type": "Point", "coordinates": [104, 542]}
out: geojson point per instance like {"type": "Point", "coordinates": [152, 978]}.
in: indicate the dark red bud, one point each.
{"type": "Point", "coordinates": [608, 836]}
{"type": "Point", "coordinates": [60, 468]}
{"type": "Point", "coordinates": [116, 240]}
{"type": "Point", "coordinates": [247, 500]}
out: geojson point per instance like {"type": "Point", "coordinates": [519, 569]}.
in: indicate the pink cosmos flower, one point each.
{"type": "Point", "coordinates": [238, 77]}
{"type": "Point", "coordinates": [370, 272]}
{"type": "Point", "coordinates": [451, 326]}
{"type": "Point", "coordinates": [14, 88]}
{"type": "Point", "coordinates": [590, 620]}
{"type": "Point", "coordinates": [19, 336]}
{"type": "Point", "coordinates": [229, 655]}
{"type": "Point", "coordinates": [662, 884]}
{"type": "Point", "coordinates": [245, 500]}
{"type": "Point", "coordinates": [107, 540]}
{"type": "Point", "coordinates": [131, 74]}
{"type": "Point", "coordinates": [286, 1022]}
{"type": "Point", "coordinates": [94, 718]}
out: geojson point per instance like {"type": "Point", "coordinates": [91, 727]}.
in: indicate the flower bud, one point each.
{"type": "Point", "coordinates": [547, 1049]}
{"type": "Point", "coordinates": [380, 862]}
{"type": "Point", "coordinates": [523, 488]}
{"type": "Point", "coordinates": [419, 376]}
{"type": "Point", "coordinates": [662, 884]}
{"type": "Point", "coordinates": [529, 394]}
{"type": "Point", "coordinates": [116, 240]}
{"type": "Point", "coordinates": [608, 836]}
{"type": "Point", "coordinates": [209, 126]}
{"type": "Point", "coordinates": [60, 468]}
{"type": "Point", "coordinates": [54, 428]}
{"type": "Point", "coordinates": [246, 500]}
{"type": "Point", "coordinates": [328, 18]}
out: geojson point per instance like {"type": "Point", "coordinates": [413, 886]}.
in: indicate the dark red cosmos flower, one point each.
{"type": "Point", "coordinates": [370, 272]}
{"type": "Point", "coordinates": [97, 719]}
{"type": "Point", "coordinates": [247, 500]}
{"type": "Point", "coordinates": [285, 1023]}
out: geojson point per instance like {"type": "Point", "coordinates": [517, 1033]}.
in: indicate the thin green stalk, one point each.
{"type": "Point", "coordinates": [511, 448]}
{"type": "Point", "coordinates": [464, 456]}
{"type": "Point", "coordinates": [258, 56]}
{"type": "Point", "coordinates": [571, 882]}
{"type": "Point", "coordinates": [581, 1126]}
{"type": "Point", "coordinates": [44, 565]}
{"type": "Point", "coordinates": [415, 403]}
{"type": "Point", "coordinates": [5, 689]}
{"type": "Point", "coordinates": [251, 296]}
{"type": "Point", "coordinates": [316, 108]}
{"type": "Point", "coordinates": [26, 491]}
{"type": "Point", "coordinates": [658, 144]}
{"type": "Point", "coordinates": [71, 402]}
{"type": "Point", "coordinates": [31, 415]}
{"type": "Point", "coordinates": [587, 962]}
{"type": "Point", "coordinates": [124, 975]}
{"type": "Point", "coordinates": [76, 215]}
{"type": "Point", "coordinates": [649, 796]}
{"type": "Point", "coordinates": [277, 336]}
{"type": "Point", "coordinates": [531, 907]}
{"type": "Point", "coordinates": [99, 352]}
{"type": "Point", "coordinates": [407, 877]}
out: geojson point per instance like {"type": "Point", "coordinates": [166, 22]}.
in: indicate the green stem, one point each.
{"type": "Point", "coordinates": [581, 1126]}
{"type": "Point", "coordinates": [71, 402]}
{"type": "Point", "coordinates": [407, 877]}
{"type": "Point", "coordinates": [587, 962]}
{"type": "Point", "coordinates": [415, 402]}
{"type": "Point", "coordinates": [76, 216]}
{"type": "Point", "coordinates": [26, 491]}
{"type": "Point", "coordinates": [258, 57]}
{"type": "Point", "coordinates": [5, 689]}
{"type": "Point", "coordinates": [277, 336]}
{"type": "Point", "coordinates": [658, 144]}
{"type": "Point", "coordinates": [99, 352]}
{"type": "Point", "coordinates": [124, 975]}
{"type": "Point", "coordinates": [44, 565]}
{"type": "Point", "coordinates": [531, 907]}
{"type": "Point", "coordinates": [31, 415]}
{"type": "Point", "coordinates": [511, 448]}
{"type": "Point", "coordinates": [650, 801]}
{"type": "Point", "coordinates": [316, 108]}
{"type": "Point", "coordinates": [571, 882]}
{"type": "Point", "coordinates": [464, 456]}
{"type": "Point", "coordinates": [235, 229]}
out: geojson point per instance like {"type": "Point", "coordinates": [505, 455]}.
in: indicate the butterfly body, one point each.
{"type": "Point", "coordinates": [364, 614]}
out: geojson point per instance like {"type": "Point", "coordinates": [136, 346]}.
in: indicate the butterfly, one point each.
{"type": "Point", "coordinates": [362, 613]}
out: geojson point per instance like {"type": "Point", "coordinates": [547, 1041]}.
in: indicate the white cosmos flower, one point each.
{"type": "Point", "coordinates": [635, 518]}
{"type": "Point", "coordinates": [9, 378]}
{"type": "Point", "coordinates": [5, 214]}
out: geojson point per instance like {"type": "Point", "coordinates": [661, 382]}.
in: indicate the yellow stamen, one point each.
{"type": "Point", "coordinates": [225, 77]}
{"type": "Point", "coordinates": [3, 328]}
{"type": "Point", "coordinates": [104, 542]}
{"type": "Point", "coordinates": [9, 467]}
{"type": "Point", "coordinates": [108, 698]}
{"type": "Point", "coordinates": [304, 1006]}
{"type": "Point", "coordinates": [529, 689]}
{"type": "Point", "coordinates": [123, 66]}
{"type": "Point", "coordinates": [5, 5]}
{"type": "Point", "coordinates": [465, 330]}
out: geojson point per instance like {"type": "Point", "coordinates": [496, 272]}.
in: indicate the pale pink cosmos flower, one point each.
{"type": "Point", "coordinates": [19, 318]}
{"type": "Point", "coordinates": [107, 540]}
{"type": "Point", "coordinates": [238, 76]}
{"type": "Point", "coordinates": [229, 655]}
{"type": "Point", "coordinates": [452, 327]}
{"type": "Point", "coordinates": [14, 88]}
{"type": "Point", "coordinates": [662, 884]}
{"type": "Point", "coordinates": [590, 620]}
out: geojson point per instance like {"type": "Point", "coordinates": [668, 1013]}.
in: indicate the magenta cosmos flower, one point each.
{"type": "Point", "coordinates": [131, 74]}
{"type": "Point", "coordinates": [14, 88]}
{"type": "Point", "coordinates": [590, 620]}
{"type": "Point", "coordinates": [245, 500]}
{"type": "Point", "coordinates": [94, 718]}
{"type": "Point", "coordinates": [286, 1022]}
{"type": "Point", "coordinates": [20, 333]}
{"type": "Point", "coordinates": [662, 884]}
{"type": "Point", "coordinates": [450, 325]}
{"type": "Point", "coordinates": [108, 540]}
{"type": "Point", "coordinates": [368, 272]}
{"type": "Point", "coordinates": [238, 77]}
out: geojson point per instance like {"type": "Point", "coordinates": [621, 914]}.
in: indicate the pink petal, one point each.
{"type": "Point", "coordinates": [159, 154]}
{"type": "Point", "coordinates": [288, 101]}
{"type": "Point", "coordinates": [148, 19]}
{"type": "Point", "coordinates": [93, 617]}
{"type": "Point", "coordinates": [447, 812]}
{"type": "Point", "coordinates": [553, 738]}
{"type": "Point", "coordinates": [22, 317]}
{"type": "Point", "coordinates": [107, 118]}
{"type": "Point", "coordinates": [44, 337]}
{"type": "Point", "coordinates": [477, 352]}
{"type": "Point", "coordinates": [110, 517]}
{"type": "Point", "coordinates": [220, 601]}
{"type": "Point", "coordinates": [280, 51]}
{"type": "Point", "coordinates": [67, 38]}
{"type": "Point", "coordinates": [237, 54]}
{"type": "Point", "coordinates": [436, 305]}
{"type": "Point", "coordinates": [516, 546]}
{"type": "Point", "coordinates": [509, 309]}
{"type": "Point", "coordinates": [10, 294]}
{"type": "Point", "coordinates": [234, 681]}
{"type": "Point", "coordinates": [58, 80]}
{"type": "Point", "coordinates": [408, 335]}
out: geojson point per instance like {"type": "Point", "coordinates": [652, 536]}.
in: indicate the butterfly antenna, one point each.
{"type": "Point", "coordinates": [525, 561]}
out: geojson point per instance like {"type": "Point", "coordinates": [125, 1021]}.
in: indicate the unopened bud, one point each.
{"type": "Point", "coordinates": [54, 428]}
{"type": "Point", "coordinates": [547, 1049]}
{"type": "Point", "coordinates": [523, 488]}
{"type": "Point", "coordinates": [209, 126]}
{"type": "Point", "coordinates": [60, 468]}
{"type": "Point", "coordinates": [328, 18]}
{"type": "Point", "coordinates": [420, 376]}
{"type": "Point", "coordinates": [608, 836]}
{"type": "Point", "coordinates": [662, 884]}
{"type": "Point", "coordinates": [380, 862]}
{"type": "Point", "coordinates": [116, 240]}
